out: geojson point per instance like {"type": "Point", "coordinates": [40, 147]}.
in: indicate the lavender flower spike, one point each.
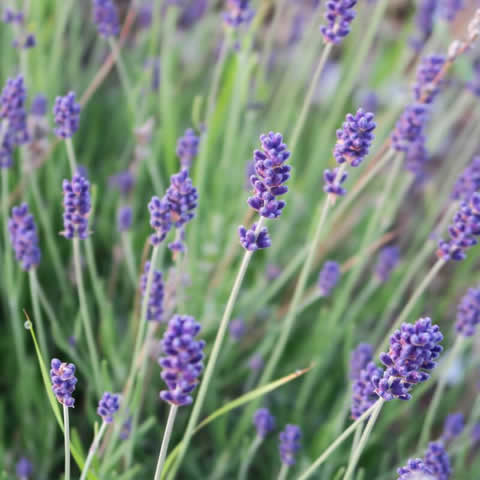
{"type": "Point", "coordinates": [328, 277]}
{"type": "Point", "coordinates": [468, 313]}
{"type": "Point", "coordinates": [468, 181]}
{"type": "Point", "coordinates": [108, 406]}
{"type": "Point", "coordinates": [424, 89]}
{"type": "Point", "coordinates": [425, 21]}
{"type": "Point", "coordinates": [453, 427]}
{"type": "Point", "coordinates": [387, 260]}
{"type": "Point", "coordinates": [67, 115]}
{"type": "Point", "coordinates": [436, 459]}
{"type": "Point", "coordinates": [160, 219]}
{"type": "Point", "coordinates": [252, 242]}
{"type": "Point", "coordinates": [415, 469]}
{"type": "Point", "coordinates": [187, 148]}
{"type": "Point", "coordinates": [105, 16]}
{"type": "Point", "coordinates": [450, 8]}
{"type": "Point", "coordinates": [360, 357]}
{"type": "Point", "coordinates": [23, 468]}
{"type": "Point", "coordinates": [289, 444]}
{"type": "Point", "coordinates": [76, 203]}
{"type": "Point", "coordinates": [183, 360]}
{"type": "Point", "coordinates": [410, 127]}
{"type": "Point", "coordinates": [264, 422]}
{"type": "Point", "coordinates": [339, 16]}
{"type": "Point", "coordinates": [155, 302]}
{"type": "Point", "coordinates": [182, 197]}
{"type": "Point", "coordinates": [363, 390]}
{"type": "Point", "coordinates": [239, 12]}
{"type": "Point", "coordinates": [333, 185]}
{"type": "Point", "coordinates": [24, 238]}
{"type": "Point", "coordinates": [124, 218]}
{"type": "Point", "coordinates": [237, 329]}
{"type": "Point", "coordinates": [63, 380]}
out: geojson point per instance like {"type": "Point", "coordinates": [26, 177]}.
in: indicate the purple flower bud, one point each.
{"type": "Point", "coordinates": [122, 181]}
{"type": "Point", "coordinates": [363, 390]}
{"type": "Point", "coordinates": [105, 17]}
{"type": "Point", "coordinates": [63, 380]}
{"type": "Point", "coordinates": [108, 406]}
{"type": "Point", "coordinates": [264, 422]}
{"type": "Point", "coordinates": [67, 115]}
{"type": "Point", "coordinates": [424, 89]}
{"type": "Point", "coordinates": [333, 185]}
{"type": "Point", "coordinates": [238, 13]}
{"type": "Point", "coordinates": [126, 428]}
{"type": "Point", "coordinates": [437, 461]}
{"type": "Point", "coordinates": [237, 329]}
{"type": "Point", "coordinates": [328, 277]}
{"type": "Point", "coordinates": [453, 427]}
{"type": "Point", "coordinates": [410, 127]}
{"type": "Point", "coordinates": [449, 9]}
{"type": "Point", "coordinates": [252, 242]}
{"type": "Point", "coordinates": [182, 197]}
{"type": "Point", "coordinates": [424, 21]}
{"type": "Point", "coordinates": [77, 206]}
{"type": "Point", "coordinates": [160, 219]}
{"type": "Point", "coordinates": [10, 16]}
{"type": "Point", "coordinates": [155, 303]}
{"type": "Point", "coordinates": [416, 160]}
{"type": "Point", "coordinates": [387, 261]}
{"type": "Point", "coordinates": [39, 105]}
{"type": "Point", "coordinates": [183, 360]}
{"type": "Point", "coordinates": [468, 313]}
{"type": "Point", "coordinates": [359, 359]}
{"type": "Point", "coordinates": [187, 148]}
{"type": "Point", "coordinates": [23, 468]}
{"type": "Point", "coordinates": [339, 16]}
{"type": "Point", "coordinates": [415, 469]}
{"type": "Point", "coordinates": [468, 182]}
{"type": "Point", "coordinates": [124, 218]}
{"type": "Point", "coordinates": [289, 444]}
{"type": "Point", "coordinates": [24, 238]}
{"type": "Point", "coordinates": [256, 362]}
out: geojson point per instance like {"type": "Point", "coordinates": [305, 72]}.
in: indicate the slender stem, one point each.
{"type": "Point", "coordinates": [338, 441]}
{"type": "Point", "coordinates": [93, 449]}
{"type": "Point", "coordinates": [309, 97]}
{"type": "Point", "coordinates": [356, 439]}
{"type": "Point", "coordinates": [71, 155]}
{"type": "Point", "coordinates": [87, 324]}
{"type": "Point", "coordinates": [363, 440]}
{"type": "Point", "coordinates": [66, 433]}
{"type": "Point", "coordinates": [129, 257]}
{"type": "Point", "coordinates": [282, 475]}
{"type": "Point", "coordinates": [279, 8]}
{"type": "Point", "coordinates": [214, 355]}
{"type": "Point", "coordinates": [249, 457]}
{"type": "Point", "coordinates": [166, 439]}
{"type": "Point", "coordinates": [432, 409]}
{"type": "Point", "coordinates": [32, 275]}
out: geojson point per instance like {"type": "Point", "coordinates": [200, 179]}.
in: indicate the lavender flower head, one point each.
{"type": "Point", "coordinates": [10, 16]}
{"type": "Point", "coordinates": [449, 9]}
{"type": "Point", "coordinates": [182, 197]}
{"type": "Point", "coordinates": [23, 468]}
{"type": "Point", "coordinates": [413, 351]}
{"type": "Point", "coordinates": [453, 426]}
{"type": "Point", "coordinates": [77, 206]}
{"type": "Point", "coordinates": [67, 115]}
{"type": "Point", "coordinates": [155, 302]}
{"type": "Point", "coordinates": [360, 357]}
{"type": "Point", "coordinates": [108, 406]}
{"type": "Point", "coordinates": [416, 160]}
{"type": "Point", "coordinates": [424, 89]}
{"type": "Point", "coordinates": [264, 422]}
{"type": "Point", "coordinates": [251, 241]}
{"type": "Point", "coordinates": [124, 218]}
{"type": "Point", "coordinates": [328, 277]}
{"type": "Point", "coordinates": [436, 459]}
{"type": "Point", "coordinates": [63, 380]}
{"type": "Point", "coordinates": [468, 182]}
{"type": "Point", "coordinates": [333, 185]}
{"type": "Point", "coordinates": [387, 261]}
{"type": "Point", "coordinates": [415, 469]}
{"type": "Point", "coordinates": [289, 444]}
{"type": "Point", "coordinates": [237, 329]}
{"type": "Point", "coordinates": [126, 428]}
{"type": "Point", "coordinates": [363, 390]}
{"type": "Point", "coordinates": [424, 21]}
{"type": "Point", "coordinates": [187, 148]}
{"type": "Point", "coordinates": [183, 360]}
{"type": "Point", "coordinates": [105, 16]}
{"type": "Point", "coordinates": [468, 313]}
{"type": "Point", "coordinates": [339, 16]}
{"type": "Point", "coordinates": [239, 12]}
{"type": "Point", "coordinates": [410, 127]}
{"type": "Point", "coordinates": [39, 105]}
{"type": "Point", "coordinates": [24, 238]}
{"type": "Point", "coordinates": [123, 181]}
{"type": "Point", "coordinates": [160, 219]}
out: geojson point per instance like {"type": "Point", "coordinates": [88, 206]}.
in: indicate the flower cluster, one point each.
{"type": "Point", "coordinates": [360, 357]}
{"type": "Point", "coordinates": [333, 184]}
{"type": "Point", "coordinates": [468, 313]}
{"type": "Point", "coordinates": [449, 8]}
{"type": "Point", "coordinates": [453, 426]}
{"type": "Point", "coordinates": [413, 351]}
{"type": "Point", "coordinates": [387, 260]}
{"type": "Point", "coordinates": [416, 160]}
{"type": "Point", "coordinates": [264, 422]}
{"type": "Point", "coordinates": [410, 127]}
{"type": "Point", "coordinates": [252, 241]}
{"type": "Point", "coordinates": [105, 17]}
{"type": "Point", "coordinates": [415, 469]}
{"type": "Point", "coordinates": [183, 360]}
{"type": "Point", "coordinates": [39, 105]}
{"type": "Point", "coordinates": [463, 230]}
{"type": "Point", "coordinates": [123, 181]}
{"type": "Point", "coordinates": [425, 88]}
{"type": "Point", "coordinates": [239, 13]}
{"type": "Point", "coordinates": [63, 380]}
{"type": "Point", "coordinates": [23, 468]}
{"type": "Point", "coordinates": [67, 115]}
{"type": "Point", "coordinates": [237, 329]}
{"type": "Point", "coordinates": [468, 182]}
{"type": "Point", "coordinates": [187, 148]}
{"type": "Point", "coordinates": [339, 16]}
{"type": "Point", "coordinates": [160, 219]}
{"type": "Point", "coordinates": [155, 302]}
{"type": "Point", "coordinates": [108, 406]}
{"type": "Point", "coordinates": [77, 205]}
{"type": "Point", "coordinates": [24, 38]}
{"type": "Point", "coordinates": [363, 390]}
{"type": "Point", "coordinates": [289, 444]}
{"type": "Point", "coordinates": [124, 218]}
{"type": "Point", "coordinates": [328, 277]}
{"type": "Point", "coordinates": [424, 21]}
{"type": "Point", "coordinates": [437, 461]}
{"type": "Point", "coordinates": [23, 236]}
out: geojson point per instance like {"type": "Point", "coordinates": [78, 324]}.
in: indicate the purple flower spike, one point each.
{"type": "Point", "coordinates": [363, 390]}
{"type": "Point", "coordinates": [410, 127]}
{"type": "Point", "coordinates": [416, 160]}
{"type": "Point", "coordinates": [108, 406]}
{"type": "Point", "coordinates": [239, 13]}
{"type": "Point", "coordinates": [424, 20]}
{"type": "Point", "coordinates": [182, 198]}
{"type": "Point", "coordinates": [264, 422]}
{"type": "Point", "coordinates": [155, 303]}
{"type": "Point", "coordinates": [67, 115]}
{"type": "Point", "coordinates": [270, 176]}
{"type": "Point", "coordinates": [468, 313]}
{"type": "Point", "coordinates": [10, 16]}
{"type": "Point", "coordinates": [252, 242]}
{"type": "Point", "coordinates": [123, 181]}
{"type": "Point", "coordinates": [453, 427]}
{"type": "Point", "coordinates": [124, 218]}
{"type": "Point", "coordinates": [333, 185]}
{"type": "Point", "coordinates": [437, 460]}
{"type": "Point", "coordinates": [415, 469]}
{"type": "Point", "coordinates": [126, 429]}
{"type": "Point", "coordinates": [105, 16]}
{"type": "Point", "coordinates": [237, 329]}
{"type": "Point", "coordinates": [183, 360]}
{"type": "Point", "coordinates": [39, 105]}
{"type": "Point", "coordinates": [328, 277]}
{"type": "Point", "coordinates": [63, 380]}
{"type": "Point", "coordinates": [339, 16]}
{"type": "Point", "coordinates": [387, 261]}
{"type": "Point", "coordinates": [23, 468]}
{"type": "Point", "coordinates": [355, 138]}
{"type": "Point", "coordinates": [187, 148]}
{"type": "Point", "coordinates": [449, 9]}
{"type": "Point", "coordinates": [359, 359]}
{"type": "Point", "coordinates": [468, 182]}
{"type": "Point", "coordinates": [430, 66]}
{"type": "Point", "coordinates": [24, 238]}
{"type": "Point", "coordinates": [289, 444]}
{"type": "Point", "coordinates": [413, 352]}
{"type": "Point", "coordinates": [160, 219]}
{"type": "Point", "coordinates": [76, 204]}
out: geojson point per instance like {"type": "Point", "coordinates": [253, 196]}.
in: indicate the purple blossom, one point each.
{"type": "Point", "coordinates": [387, 261]}
{"type": "Point", "coordinates": [23, 468]}
{"type": "Point", "coordinates": [105, 16]}
{"type": "Point", "coordinates": [410, 127]}
{"type": "Point", "coordinates": [256, 363]}
{"type": "Point", "coordinates": [270, 177]}
{"type": "Point", "coordinates": [183, 360]}
{"type": "Point", "coordinates": [416, 160]}
{"type": "Point", "coordinates": [187, 148]}
{"type": "Point", "coordinates": [192, 12]}
{"type": "Point", "coordinates": [252, 242]}
{"type": "Point", "coordinates": [289, 444]}
{"type": "Point", "coordinates": [436, 459]}
{"type": "Point", "coordinates": [453, 426]}
{"type": "Point", "coordinates": [339, 16]}
{"type": "Point", "coordinates": [468, 182]}
{"type": "Point", "coordinates": [63, 380]}
{"type": "Point", "coordinates": [10, 16]}
{"type": "Point", "coordinates": [155, 302]}
{"type": "Point", "coordinates": [264, 422]}
{"type": "Point", "coordinates": [77, 206]}
{"type": "Point", "coordinates": [413, 351]}
{"type": "Point", "coordinates": [424, 89]}
{"type": "Point", "coordinates": [238, 13]}
{"type": "Point", "coordinates": [24, 238]}
{"type": "Point", "coordinates": [415, 469]}
{"type": "Point", "coordinates": [124, 218]}
{"type": "Point", "coordinates": [360, 357]}
{"type": "Point", "coordinates": [363, 390]}
{"type": "Point", "coordinates": [39, 105]}
{"type": "Point", "coordinates": [424, 21]}
{"type": "Point", "coordinates": [468, 313]}
{"type": "Point", "coordinates": [67, 115]}
{"type": "Point", "coordinates": [333, 185]}
{"type": "Point", "coordinates": [108, 406]}
{"type": "Point", "coordinates": [328, 277]}
{"type": "Point", "coordinates": [123, 181]}
{"type": "Point", "coordinates": [182, 198]}
{"type": "Point", "coordinates": [237, 329]}
{"type": "Point", "coordinates": [160, 219]}
{"type": "Point", "coordinates": [448, 9]}
{"type": "Point", "coordinates": [126, 428]}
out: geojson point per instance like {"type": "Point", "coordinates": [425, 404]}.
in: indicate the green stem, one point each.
{"type": "Point", "coordinates": [166, 440]}
{"type": "Point", "coordinates": [32, 275]}
{"type": "Point", "coordinates": [71, 155]}
{"type": "Point", "coordinates": [66, 432]}
{"type": "Point", "coordinates": [93, 450]}
{"type": "Point", "coordinates": [129, 257]}
{"type": "Point", "coordinates": [282, 475]}
{"type": "Point", "coordinates": [249, 457]}
{"type": "Point", "coordinates": [279, 8]}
